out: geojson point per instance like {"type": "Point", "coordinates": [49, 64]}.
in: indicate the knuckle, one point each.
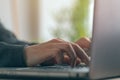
{"type": "Point", "coordinates": [85, 39]}
{"type": "Point", "coordinates": [74, 45]}
{"type": "Point", "coordinates": [55, 39]}
{"type": "Point", "coordinates": [77, 46]}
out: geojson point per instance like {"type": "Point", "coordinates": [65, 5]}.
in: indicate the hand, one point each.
{"type": "Point", "coordinates": [84, 43]}
{"type": "Point", "coordinates": [55, 49]}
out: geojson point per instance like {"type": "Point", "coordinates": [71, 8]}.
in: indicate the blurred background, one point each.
{"type": "Point", "coordinates": [42, 20]}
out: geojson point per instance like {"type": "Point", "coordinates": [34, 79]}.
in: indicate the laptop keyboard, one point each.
{"type": "Point", "coordinates": [55, 68]}
{"type": "Point", "coordinates": [63, 66]}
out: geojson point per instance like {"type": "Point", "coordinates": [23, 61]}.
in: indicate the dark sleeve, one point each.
{"type": "Point", "coordinates": [12, 55]}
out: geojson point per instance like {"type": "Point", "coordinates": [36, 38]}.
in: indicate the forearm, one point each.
{"type": "Point", "coordinates": [12, 55]}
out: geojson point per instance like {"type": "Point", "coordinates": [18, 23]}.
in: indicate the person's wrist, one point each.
{"type": "Point", "coordinates": [28, 54]}
{"type": "Point", "coordinates": [32, 55]}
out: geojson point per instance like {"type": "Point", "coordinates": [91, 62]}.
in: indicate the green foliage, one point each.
{"type": "Point", "coordinates": [78, 17]}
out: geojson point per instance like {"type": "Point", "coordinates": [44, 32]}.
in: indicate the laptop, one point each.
{"type": "Point", "coordinates": [105, 50]}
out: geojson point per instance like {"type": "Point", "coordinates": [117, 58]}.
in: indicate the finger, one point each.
{"type": "Point", "coordinates": [67, 60]}
{"type": "Point", "coordinates": [81, 53]}
{"type": "Point", "coordinates": [84, 43]}
{"type": "Point", "coordinates": [68, 49]}
{"type": "Point", "coordinates": [78, 61]}
{"type": "Point", "coordinates": [59, 57]}
{"type": "Point", "coordinates": [72, 55]}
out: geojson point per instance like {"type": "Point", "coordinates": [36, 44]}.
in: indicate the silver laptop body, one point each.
{"type": "Point", "coordinates": [106, 40]}
{"type": "Point", "coordinates": [105, 49]}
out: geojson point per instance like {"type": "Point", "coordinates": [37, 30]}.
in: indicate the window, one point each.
{"type": "Point", "coordinates": [62, 18]}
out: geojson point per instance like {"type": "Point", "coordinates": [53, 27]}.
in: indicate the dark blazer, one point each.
{"type": "Point", "coordinates": [11, 49]}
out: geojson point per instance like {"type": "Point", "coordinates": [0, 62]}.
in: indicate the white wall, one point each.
{"type": "Point", "coordinates": [20, 16]}
{"type": "Point", "coordinates": [28, 16]}
{"type": "Point", "coordinates": [5, 14]}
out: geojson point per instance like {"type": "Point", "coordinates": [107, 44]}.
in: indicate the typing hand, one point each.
{"type": "Point", "coordinates": [84, 43]}
{"type": "Point", "coordinates": [57, 50]}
